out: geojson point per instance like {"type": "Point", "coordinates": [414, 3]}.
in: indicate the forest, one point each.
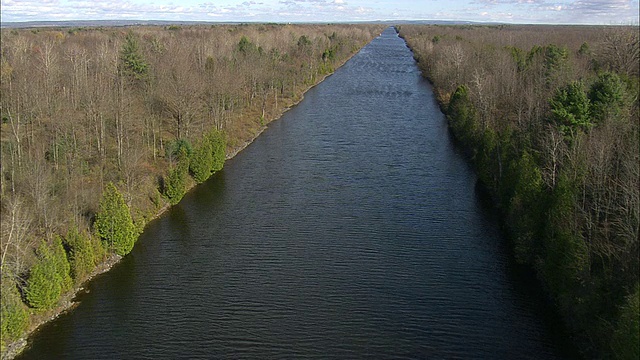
{"type": "Point", "coordinates": [549, 117]}
{"type": "Point", "coordinates": [103, 128]}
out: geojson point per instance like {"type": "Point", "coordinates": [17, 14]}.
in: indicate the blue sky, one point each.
{"type": "Point", "coordinates": [509, 11]}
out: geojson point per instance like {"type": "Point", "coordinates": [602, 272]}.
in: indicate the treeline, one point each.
{"type": "Point", "coordinates": [549, 117]}
{"type": "Point", "coordinates": [104, 127]}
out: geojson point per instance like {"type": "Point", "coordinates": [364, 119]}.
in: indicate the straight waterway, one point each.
{"type": "Point", "coordinates": [349, 229]}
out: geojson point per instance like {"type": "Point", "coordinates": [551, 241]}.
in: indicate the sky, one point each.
{"type": "Point", "coordinates": [605, 12]}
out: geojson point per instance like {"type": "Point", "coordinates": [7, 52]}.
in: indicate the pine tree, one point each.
{"type": "Point", "coordinates": [570, 109]}
{"type": "Point", "coordinates": [45, 284]}
{"type": "Point", "coordinates": [218, 148]}
{"type": "Point", "coordinates": [63, 269]}
{"type": "Point", "coordinates": [201, 162]}
{"type": "Point", "coordinates": [14, 315]}
{"type": "Point", "coordinates": [114, 224]}
{"type": "Point", "coordinates": [607, 96]}
{"type": "Point", "coordinates": [132, 62]}
{"type": "Point", "coordinates": [82, 259]}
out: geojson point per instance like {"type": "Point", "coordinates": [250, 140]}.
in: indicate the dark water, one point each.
{"type": "Point", "coordinates": [349, 229]}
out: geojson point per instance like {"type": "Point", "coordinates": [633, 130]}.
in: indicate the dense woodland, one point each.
{"type": "Point", "coordinates": [103, 128]}
{"type": "Point", "coordinates": [549, 116]}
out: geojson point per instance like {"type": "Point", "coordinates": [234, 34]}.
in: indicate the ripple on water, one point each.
{"type": "Point", "coordinates": [349, 229]}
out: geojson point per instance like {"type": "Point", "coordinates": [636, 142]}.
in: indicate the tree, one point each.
{"type": "Point", "coordinates": [570, 109]}
{"type": "Point", "coordinates": [14, 315]}
{"type": "Point", "coordinates": [303, 41]}
{"type": "Point", "coordinates": [606, 96]}
{"type": "Point", "coordinates": [218, 148]}
{"type": "Point", "coordinates": [80, 110]}
{"type": "Point", "coordinates": [621, 49]}
{"type": "Point", "coordinates": [16, 222]}
{"type": "Point", "coordinates": [201, 161]}
{"type": "Point", "coordinates": [584, 50]}
{"type": "Point", "coordinates": [43, 290]}
{"type": "Point", "coordinates": [526, 206]}
{"type": "Point", "coordinates": [63, 269]}
{"type": "Point", "coordinates": [132, 62]}
{"type": "Point", "coordinates": [114, 224]}
{"type": "Point", "coordinates": [175, 184]}
{"type": "Point", "coordinates": [555, 64]}
{"type": "Point", "coordinates": [208, 157]}
{"type": "Point", "coordinates": [49, 277]}
{"type": "Point", "coordinates": [625, 342]}
{"type": "Point", "coordinates": [570, 192]}
{"type": "Point", "coordinates": [82, 259]}
{"type": "Point", "coordinates": [246, 47]}
{"type": "Point", "coordinates": [462, 116]}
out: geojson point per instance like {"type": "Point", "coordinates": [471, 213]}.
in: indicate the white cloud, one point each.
{"type": "Point", "coordinates": [524, 11]}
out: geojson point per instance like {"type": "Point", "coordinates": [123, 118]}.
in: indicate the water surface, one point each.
{"type": "Point", "coordinates": [349, 229]}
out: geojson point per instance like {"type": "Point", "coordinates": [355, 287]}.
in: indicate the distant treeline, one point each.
{"type": "Point", "coordinates": [549, 117]}
{"type": "Point", "coordinates": [104, 127]}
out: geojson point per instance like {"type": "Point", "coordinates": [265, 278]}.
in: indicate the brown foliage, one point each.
{"type": "Point", "coordinates": [73, 119]}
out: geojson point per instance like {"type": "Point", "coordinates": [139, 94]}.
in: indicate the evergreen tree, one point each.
{"type": "Point", "coordinates": [566, 259]}
{"type": "Point", "coordinates": [526, 206]}
{"type": "Point", "coordinates": [625, 342]}
{"type": "Point", "coordinates": [63, 269]}
{"type": "Point", "coordinates": [114, 224]}
{"type": "Point", "coordinates": [45, 283]}
{"type": "Point", "coordinates": [201, 162]}
{"type": "Point", "coordinates": [175, 184]}
{"type": "Point", "coordinates": [132, 62]}
{"type": "Point", "coordinates": [218, 148]}
{"type": "Point", "coordinates": [82, 259]}
{"type": "Point", "coordinates": [462, 116]}
{"type": "Point", "coordinates": [570, 108]}
{"type": "Point", "coordinates": [246, 47]}
{"type": "Point", "coordinates": [555, 63]}
{"type": "Point", "coordinates": [14, 315]}
{"type": "Point", "coordinates": [606, 96]}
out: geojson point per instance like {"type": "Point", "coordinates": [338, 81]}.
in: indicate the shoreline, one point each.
{"type": "Point", "coordinates": [67, 303]}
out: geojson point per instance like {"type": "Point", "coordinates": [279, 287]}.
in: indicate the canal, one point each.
{"type": "Point", "coordinates": [351, 228]}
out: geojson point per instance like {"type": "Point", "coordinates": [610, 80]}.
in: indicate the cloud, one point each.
{"type": "Point", "coordinates": [598, 11]}
{"type": "Point", "coordinates": [559, 11]}
{"type": "Point", "coordinates": [26, 10]}
{"type": "Point", "coordinates": [517, 11]}
{"type": "Point", "coordinates": [513, 2]}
